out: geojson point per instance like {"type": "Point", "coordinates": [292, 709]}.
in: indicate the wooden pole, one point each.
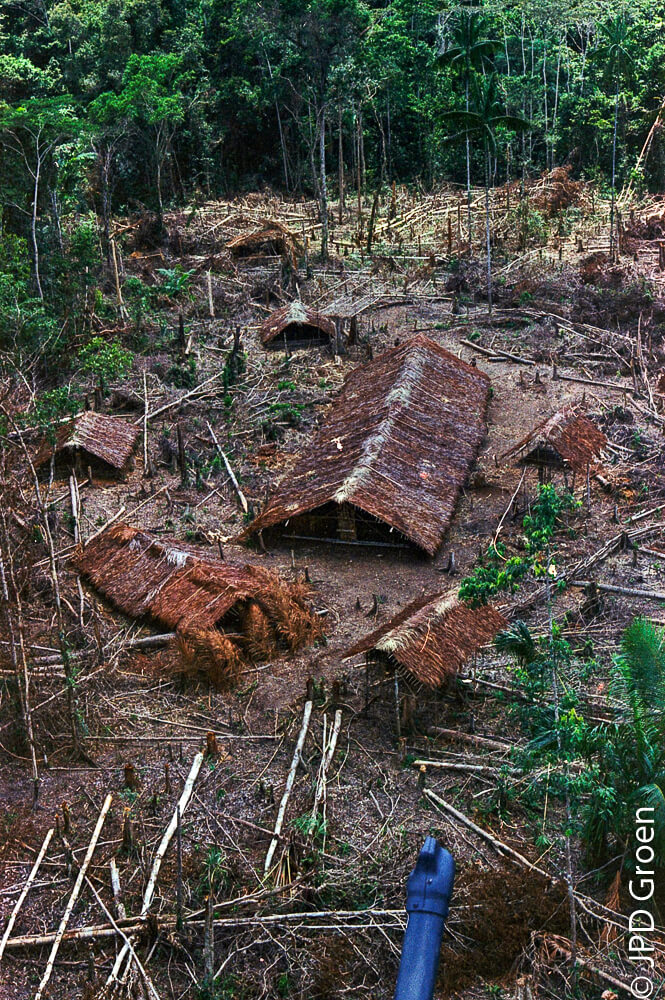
{"type": "Point", "coordinates": [73, 897]}
{"type": "Point", "coordinates": [24, 891]}
{"type": "Point", "coordinates": [159, 857]}
{"type": "Point", "coordinates": [234, 481]}
{"type": "Point", "coordinates": [291, 777]}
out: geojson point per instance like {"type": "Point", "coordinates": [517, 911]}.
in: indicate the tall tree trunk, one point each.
{"type": "Point", "coordinates": [33, 225]}
{"type": "Point", "coordinates": [468, 172]}
{"type": "Point", "coordinates": [340, 165]}
{"type": "Point", "coordinates": [324, 189]}
{"type": "Point", "coordinates": [488, 239]}
{"type": "Point", "coordinates": [614, 168]}
{"type": "Point", "coordinates": [285, 164]}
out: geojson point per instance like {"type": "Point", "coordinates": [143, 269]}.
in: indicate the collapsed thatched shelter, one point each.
{"type": "Point", "coordinates": [388, 464]}
{"type": "Point", "coordinates": [224, 615]}
{"type": "Point", "coordinates": [91, 438]}
{"type": "Point", "coordinates": [297, 325]}
{"type": "Point", "coordinates": [271, 239]}
{"type": "Point", "coordinates": [567, 440]}
{"type": "Point", "coordinates": [432, 638]}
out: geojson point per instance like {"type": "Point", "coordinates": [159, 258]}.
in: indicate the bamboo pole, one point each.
{"type": "Point", "coordinates": [291, 777]}
{"type": "Point", "coordinates": [73, 897]}
{"type": "Point", "coordinates": [24, 891]}
{"type": "Point", "coordinates": [159, 857]}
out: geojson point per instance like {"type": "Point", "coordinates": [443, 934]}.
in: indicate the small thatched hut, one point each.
{"type": "Point", "coordinates": [387, 466]}
{"type": "Point", "coordinates": [297, 325]}
{"type": "Point", "coordinates": [271, 239]}
{"type": "Point", "coordinates": [224, 615]}
{"type": "Point", "coordinates": [567, 440]}
{"type": "Point", "coordinates": [106, 443]}
{"type": "Point", "coordinates": [431, 639]}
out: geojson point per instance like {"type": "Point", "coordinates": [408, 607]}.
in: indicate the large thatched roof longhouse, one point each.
{"type": "Point", "coordinates": [432, 638]}
{"type": "Point", "coordinates": [106, 442]}
{"type": "Point", "coordinates": [389, 462]}
{"type": "Point", "coordinates": [297, 325]}
{"type": "Point", "coordinates": [224, 615]}
{"type": "Point", "coordinates": [567, 440]}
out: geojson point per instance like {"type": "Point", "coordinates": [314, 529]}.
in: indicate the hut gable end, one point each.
{"type": "Point", "coordinates": [110, 440]}
{"type": "Point", "coordinates": [432, 638]}
{"type": "Point", "coordinates": [298, 323]}
{"type": "Point", "coordinates": [567, 439]}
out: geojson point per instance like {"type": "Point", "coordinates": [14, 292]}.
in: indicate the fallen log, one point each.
{"type": "Point", "coordinates": [655, 595]}
{"type": "Point", "coordinates": [597, 910]}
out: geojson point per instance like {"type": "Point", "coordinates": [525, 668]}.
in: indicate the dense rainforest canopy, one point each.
{"type": "Point", "coordinates": [111, 106]}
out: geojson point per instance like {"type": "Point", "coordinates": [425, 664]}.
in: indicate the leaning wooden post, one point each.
{"type": "Point", "coordinates": [25, 890]}
{"type": "Point", "coordinates": [211, 305]}
{"type": "Point", "coordinates": [178, 918]}
{"type": "Point", "coordinates": [397, 718]}
{"type": "Point", "coordinates": [73, 897]}
{"type": "Point", "coordinates": [297, 753]}
{"type": "Point", "coordinates": [159, 857]}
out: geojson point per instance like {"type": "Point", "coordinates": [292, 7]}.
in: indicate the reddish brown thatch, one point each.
{"type": "Point", "coordinates": [566, 440]}
{"type": "Point", "coordinates": [433, 637]}
{"type": "Point", "coordinates": [92, 435]}
{"type": "Point", "coordinates": [234, 613]}
{"type": "Point", "coordinates": [298, 324]}
{"type": "Point", "coordinates": [397, 445]}
{"type": "Point", "coordinates": [272, 238]}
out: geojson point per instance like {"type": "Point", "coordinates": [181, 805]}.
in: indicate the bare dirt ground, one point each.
{"type": "Point", "coordinates": [582, 340]}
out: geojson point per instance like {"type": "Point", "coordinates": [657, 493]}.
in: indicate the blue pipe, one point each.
{"type": "Point", "coordinates": [428, 891]}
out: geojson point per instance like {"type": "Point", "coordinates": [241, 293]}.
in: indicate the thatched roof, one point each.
{"type": "Point", "coordinates": [271, 238]}
{"type": "Point", "coordinates": [109, 439]}
{"type": "Point", "coordinates": [433, 637]}
{"type": "Point", "coordinates": [305, 321]}
{"type": "Point", "coordinates": [398, 444]}
{"type": "Point", "coordinates": [202, 599]}
{"type": "Point", "coordinates": [567, 438]}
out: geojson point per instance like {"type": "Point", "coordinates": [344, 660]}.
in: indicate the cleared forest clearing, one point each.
{"type": "Point", "coordinates": [206, 880]}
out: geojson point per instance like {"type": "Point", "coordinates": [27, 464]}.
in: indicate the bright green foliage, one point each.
{"type": "Point", "coordinates": [629, 755]}
{"type": "Point", "coordinates": [496, 573]}
{"type": "Point", "coordinates": [105, 360]}
{"type": "Point", "coordinates": [493, 574]}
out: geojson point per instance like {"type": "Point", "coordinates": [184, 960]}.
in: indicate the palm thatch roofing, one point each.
{"type": "Point", "coordinates": [296, 321]}
{"type": "Point", "coordinates": [432, 638]}
{"type": "Point", "coordinates": [397, 444]}
{"type": "Point", "coordinates": [567, 439]}
{"type": "Point", "coordinates": [272, 238]}
{"type": "Point", "coordinates": [109, 439]}
{"type": "Point", "coordinates": [233, 613]}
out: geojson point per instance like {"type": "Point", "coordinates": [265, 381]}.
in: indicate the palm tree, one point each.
{"type": "Point", "coordinates": [613, 51]}
{"type": "Point", "coordinates": [488, 115]}
{"type": "Point", "coordinates": [470, 53]}
{"type": "Point", "coordinates": [630, 753]}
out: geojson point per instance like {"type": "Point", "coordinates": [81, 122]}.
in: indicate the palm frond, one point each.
{"type": "Point", "coordinates": [517, 641]}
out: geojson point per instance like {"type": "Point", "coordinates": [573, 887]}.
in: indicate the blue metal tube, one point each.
{"type": "Point", "coordinates": [428, 891]}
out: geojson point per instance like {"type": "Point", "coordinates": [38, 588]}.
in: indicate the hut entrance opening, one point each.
{"type": "Point", "coordinates": [342, 524]}
{"type": "Point", "coordinates": [295, 336]}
